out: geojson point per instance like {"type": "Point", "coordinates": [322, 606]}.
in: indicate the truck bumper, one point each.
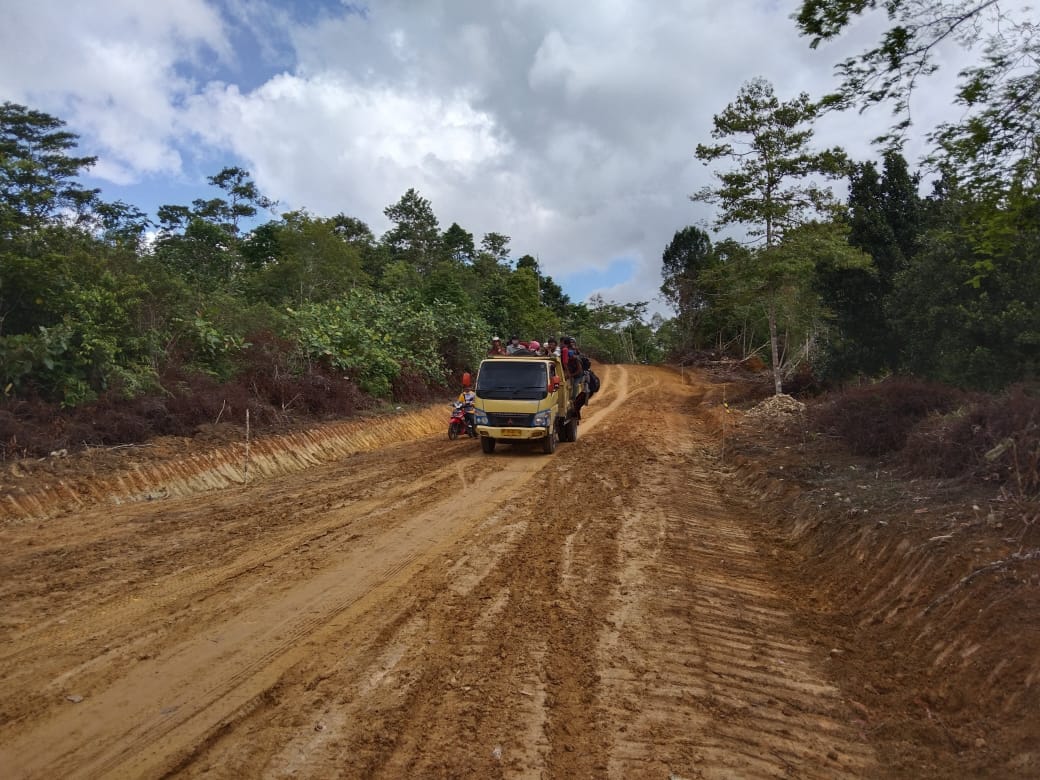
{"type": "Point", "coordinates": [512, 434]}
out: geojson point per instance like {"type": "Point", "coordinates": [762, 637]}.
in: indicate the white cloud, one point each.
{"type": "Point", "coordinates": [568, 127]}
{"type": "Point", "coordinates": [111, 71]}
{"type": "Point", "coordinates": [329, 145]}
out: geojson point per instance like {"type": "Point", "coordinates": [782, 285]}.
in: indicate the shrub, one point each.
{"type": "Point", "coordinates": [272, 371]}
{"type": "Point", "coordinates": [13, 435]}
{"type": "Point", "coordinates": [31, 427]}
{"type": "Point", "coordinates": [997, 439]}
{"type": "Point", "coordinates": [876, 419]}
{"type": "Point", "coordinates": [409, 386]}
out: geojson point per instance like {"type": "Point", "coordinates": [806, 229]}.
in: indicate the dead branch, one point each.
{"type": "Point", "coordinates": [994, 566]}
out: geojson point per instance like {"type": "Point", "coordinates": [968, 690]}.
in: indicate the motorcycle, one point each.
{"type": "Point", "coordinates": [459, 424]}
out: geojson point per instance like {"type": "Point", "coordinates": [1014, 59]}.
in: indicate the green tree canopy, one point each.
{"type": "Point", "coordinates": [38, 172]}
{"type": "Point", "coordinates": [550, 293]}
{"type": "Point", "coordinates": [996, 138]}
{"type": "Point", "coordinates": [686, 257]}
{"type": "Point", "coordinates": [415, 237]}
{"type": "Point", "coordinates": [966, 303]}
{"type": "Point", "coordinates": [458, 244]}
{"type": "Point", "coordinates": [202, 242]}
{"type": "Point", "coordinates": [309, 259]}
{"type": "Point", "coordinates": [243, 197]}
{"type": "Point", "coordinates": [884, 217]}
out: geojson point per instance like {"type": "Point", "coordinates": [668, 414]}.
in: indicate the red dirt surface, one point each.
{"type": "Point", "coordinates": [373, 600]}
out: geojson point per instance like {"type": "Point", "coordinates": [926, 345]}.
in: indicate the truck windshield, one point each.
{"type": "Point", "coordinates": [512, 380]}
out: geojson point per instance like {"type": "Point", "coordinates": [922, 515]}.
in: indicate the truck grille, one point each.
{"type": "Point", "coordinates": [503, 420]}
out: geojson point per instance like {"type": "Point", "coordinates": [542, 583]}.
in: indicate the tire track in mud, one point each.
{"type": "Point", "coordinates": [198, 667]}
{"type": "Point", "coordinates": [176, 583]}
{"type": "Point", "coordinates": [597, 613]}
{"type": "Point", "coordinates": [704, 662]}
{"type": "Point", "coordinates": [468, 632]}
{"type": "Point", "coordinates": [469, 651]}
{"type": "Point", "coordinates": [635, 633]}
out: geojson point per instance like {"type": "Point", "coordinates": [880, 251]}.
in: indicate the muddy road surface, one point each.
{"type": "Point", "coordinates": [425, 610]}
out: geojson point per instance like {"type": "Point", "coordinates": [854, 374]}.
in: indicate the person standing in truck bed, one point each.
{"type": "Point", "coordinates": [513, 345]}
{"type": "Point", "coordinates": [496, 347]}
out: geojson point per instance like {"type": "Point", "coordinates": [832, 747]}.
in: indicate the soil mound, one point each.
{"type": "Point", "coordinates": [777, 408]}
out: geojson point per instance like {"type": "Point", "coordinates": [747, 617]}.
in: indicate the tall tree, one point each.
{"type": "Point", "coordinates": [525, 314]}
{"type": "Point", "coordinates": [553, 296]}
{"type": "Point", "coordinates": [122, 224]}
{"type": "Point", "coordinates": [40, 260]}
{"type": "Point", "coordinates": [967, 303]}
{"type": "Point", "coordinates": [549, 292]}
{"type": "Point", "coordinates": [687, 255]}
{"type": "Point", "coordinates": [415, 236]}
{"type": "Point", "coordinates": [243, 198]}
{"type": "Point", "coordinates": [374, 256]}
{"type": "Point", "coordinates": [458, 244]}
{"type": "Point", "coordinates": [38, 172]}
{"type": "Point", "coordinates": [772, 187]}
{"type": "Point", "coordinates": [312, 261]}
{"type": "Point", "coordinates": [193, 246]}
{"type": "Point", "coordinates": [884, 221]}
{"type": "Point", "coordinates": [530, 262]}
{"type": "Point", "coordinates": [203, 242]}
{"type": "Point", "coordinates": [496, 245]}
{"type": "Point", "coordinates": [735, 317]}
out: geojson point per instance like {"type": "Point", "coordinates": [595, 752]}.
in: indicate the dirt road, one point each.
{"type": "Point", "coordinates": [424, 610]}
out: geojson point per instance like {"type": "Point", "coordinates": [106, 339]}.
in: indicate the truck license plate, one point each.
{"type": "Point", "coordinates": [510, 432]}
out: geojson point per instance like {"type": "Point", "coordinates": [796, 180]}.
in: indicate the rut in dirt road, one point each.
{"type": "Point", "coordinates": [427, 610]}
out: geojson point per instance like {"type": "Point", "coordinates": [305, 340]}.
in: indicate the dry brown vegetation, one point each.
{"type": "Point", "coordinates": [277, 396]}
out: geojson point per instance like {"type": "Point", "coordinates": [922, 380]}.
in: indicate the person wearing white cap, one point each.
{"type": "Point", "coordinates": [496, 347]}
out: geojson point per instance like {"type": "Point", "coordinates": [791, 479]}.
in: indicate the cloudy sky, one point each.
{"type": "Point", "coordinates": [570, 127]}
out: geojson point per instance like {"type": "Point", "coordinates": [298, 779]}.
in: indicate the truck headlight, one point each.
{"type": "Point", "coordinates": [541, 420]}
{"type": "Point", "coordinates": [480, 417]}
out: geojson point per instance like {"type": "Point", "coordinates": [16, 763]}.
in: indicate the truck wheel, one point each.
{"type": "Point", "coordinates": [572, 429]}
{"type": "Point", "coordinates": [549, 442]}
{"type": "Point", "coordinates": [487, 444]}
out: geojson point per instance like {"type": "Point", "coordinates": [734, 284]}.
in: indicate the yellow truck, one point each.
{"type": "Point", "coordinates": [524, 399]}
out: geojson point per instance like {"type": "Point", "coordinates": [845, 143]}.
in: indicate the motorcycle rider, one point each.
{"type": "Point", "coordinates": [468, 400]}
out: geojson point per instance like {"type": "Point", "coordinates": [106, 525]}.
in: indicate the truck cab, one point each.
{"type": "Point", "coordinates": [523, 398]}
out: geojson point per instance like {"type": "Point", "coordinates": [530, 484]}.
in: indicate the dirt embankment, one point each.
{"type": "Point", "coordinates": [928, 592]}
{"type": "Point", "coordinates": [417, 608]}
{"type": "Point", "coordinates": [170, 467]}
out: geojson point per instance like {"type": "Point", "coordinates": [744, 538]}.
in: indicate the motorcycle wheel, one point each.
{"type": "Point", "coordinates": [453, 431]}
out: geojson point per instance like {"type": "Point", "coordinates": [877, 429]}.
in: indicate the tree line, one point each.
{"type": "Point", "coordinates": [943, 286]}
{"type": "Point", "coordinates": [98, 297]}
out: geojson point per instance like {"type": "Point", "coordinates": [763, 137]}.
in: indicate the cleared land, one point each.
{"type": "Point", "coordinates": [420, 609]}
